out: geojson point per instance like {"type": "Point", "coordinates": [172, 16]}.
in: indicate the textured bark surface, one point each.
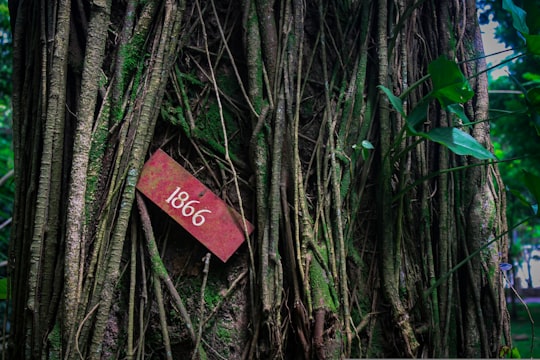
{"type": "Point", "coordinates": [269, 104]}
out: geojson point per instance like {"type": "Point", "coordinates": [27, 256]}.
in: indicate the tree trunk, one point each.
{"type": "Point", "coordinates": [362, 229]}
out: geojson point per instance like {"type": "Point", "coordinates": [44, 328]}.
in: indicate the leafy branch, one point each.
{"type": "Point", "coordinates": [451, 88]}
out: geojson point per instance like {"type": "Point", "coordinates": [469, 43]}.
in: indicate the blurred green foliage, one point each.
{"type": "Point", "coordinates": [6, 149]}
{"type": "Point", "coordinates": [514, 111]}
{"type": "Point", "coordinates": [521, 330]}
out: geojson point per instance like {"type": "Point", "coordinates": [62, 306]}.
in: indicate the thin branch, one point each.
{"type": "Point", "coordinates": [531, 320]}
{"type": "Point", "coordinates": [206, 261]}
{"type": "Point", "coordinates": [158, 267]}
{"type": "Point", "coordinates": [162, 316]}
{"type": "Point", "coordinates": [132, 285]}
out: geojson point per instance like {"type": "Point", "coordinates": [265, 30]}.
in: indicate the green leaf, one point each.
{"type": "Point", "coordinates": [450, 86]}
{"type": "Point", "coordinates": [418, 115]}
{"type": "Point", "coordinates": [533, 77]}
{"type": "Point", "coordinates": [522, 199]}
{"type": "Point", "coordinates": [519, 16]}
{"type": "Point", "coordinates": [527, 22]}
{"type": "Point", "coordinates": [459, 111]}
{"type": "Point", "coordinates": [514, 353]}
{"type": "Point", "coordinates": [459, 142]}
{"type": "Point", "coordinates": [533, 43]}
{"type": "Point", "coordinates": [533, 16]}
{"type": "Point", "coordinates": [394, 100]}
{"type": "Point", "coordinates": [4, 289]}
{"type": "Point", "coordinates": [533, 98]}
{"type": "Point", "coordinates": [532, 182]}
{"type": "Point", "coordinates": [366, 144]}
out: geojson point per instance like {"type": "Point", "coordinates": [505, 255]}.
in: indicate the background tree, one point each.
{"type": "Point", "coordinates": [515, 120]}
{"type": "Point", "coordinates": [6, 152]}
{"type": "Point", "coordinates": [370, 240]}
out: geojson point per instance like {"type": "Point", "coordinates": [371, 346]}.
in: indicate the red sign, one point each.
{"type": "Point", "coordinates": [202, 213]}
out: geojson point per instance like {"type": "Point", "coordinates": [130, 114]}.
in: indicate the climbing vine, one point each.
{"type": "Point", "coordinates": [353, 135]}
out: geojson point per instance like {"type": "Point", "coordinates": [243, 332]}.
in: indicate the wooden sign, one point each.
{"type": "Point", "coordinates": [197, 209]}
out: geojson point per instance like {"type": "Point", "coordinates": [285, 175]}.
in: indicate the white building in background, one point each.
{"type": "Point", "coordinates": [528, 268]}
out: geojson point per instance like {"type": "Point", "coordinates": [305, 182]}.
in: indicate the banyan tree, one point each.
{"type": "Point", "coordinates": [352, 134]}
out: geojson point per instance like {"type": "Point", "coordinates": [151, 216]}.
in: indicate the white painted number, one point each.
{"type": "Point", "coordinates": [198, 219]}
{"type": "Point", "coordinates": [180, 199]}
{"type": "Point", "coordinates": [189, 210]}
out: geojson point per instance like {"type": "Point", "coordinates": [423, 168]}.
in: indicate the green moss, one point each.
{"type": "Point", "coordinates": [97, 151]}
{"type": "Point", "coordinates": [376, 346]}
{"type": "Point", "coordinates": [157, 264]}
{"type": "Point", "coordinates": [133, 53]}
{"type": "Point", "coordinates": [210, 130]}
{"type": "Point", "coordinates": [190, 78]}
{"type": "Point", "coordinates": [212, 295]}
{"type": "Point", "coordinates": [175, 116]}
{"type": "Point", "coordinates": [321, 288]}
{"type": "Point", "coordinates": [354, 254]}
{"type": "Point", "coordinates": [137, 80]}
{"type": "Point", "coordinates": [208, 125]}
{"type": "Point", "coordinates": [345, 182]}
{"type": "Point", "coordinates": [158, 267]}
{"type": "Point", "coordinates": [55, 343]}
{"type": "Point", "coordinates": [181, 120]}
{"type": "Point", "coordinates": [223, 334]}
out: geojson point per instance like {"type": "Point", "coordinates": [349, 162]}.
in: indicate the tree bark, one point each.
{"type": "Point", "coordinates": [361, 227]}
